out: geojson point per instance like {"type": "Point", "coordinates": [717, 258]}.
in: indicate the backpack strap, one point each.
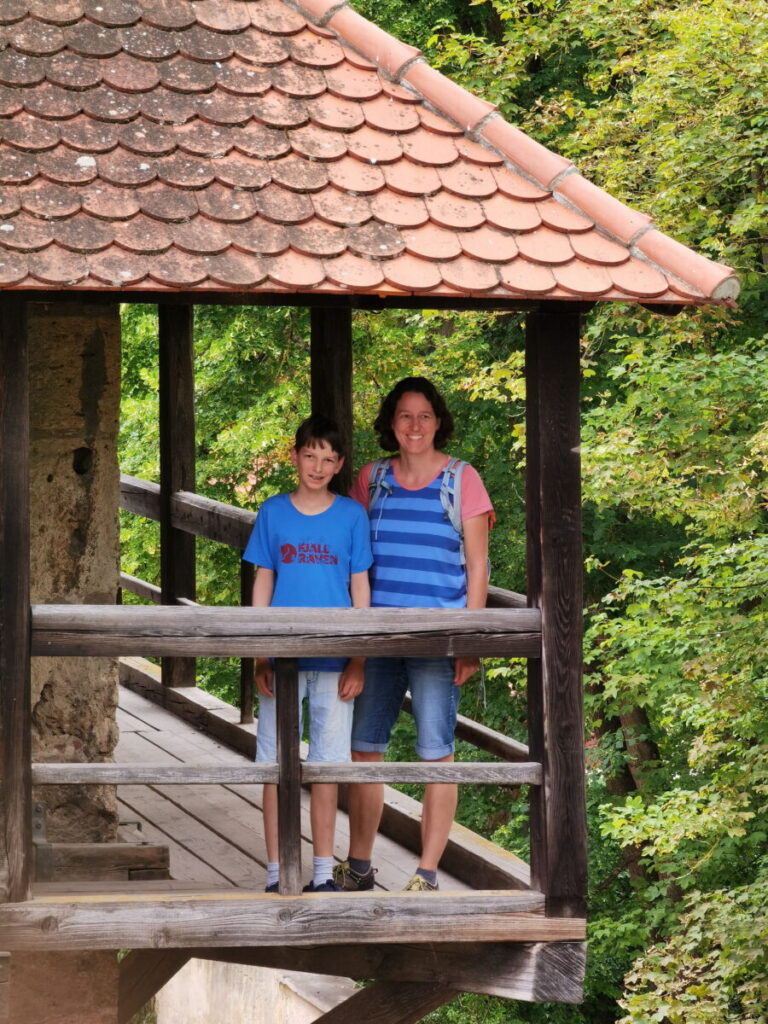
{"type": "Point", "coordinates": [450, 498]}
{"type": "Point", "coordinates": [377, 482]}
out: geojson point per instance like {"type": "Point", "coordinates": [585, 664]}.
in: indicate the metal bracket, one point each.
{"type": "Point", "coordinates": [38, 824]}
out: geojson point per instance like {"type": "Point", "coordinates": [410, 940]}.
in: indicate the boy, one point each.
{"type": "Point", "coordinates": [312, 549]}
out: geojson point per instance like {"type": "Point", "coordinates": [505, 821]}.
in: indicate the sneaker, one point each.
{"type": "Point", "coordinates": [275, 887]}
{"type": "Point", "coordinates": [346, 878]}
{"type": "Point", "coordinates": [419, 884]}
{"type": "Point", "coordinates": [328, 886]}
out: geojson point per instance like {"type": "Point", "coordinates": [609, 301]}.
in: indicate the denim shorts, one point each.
{"type": "Point", "coordinates": [435, 704]}
{"type": "Point", "coordinates": [330, 719]}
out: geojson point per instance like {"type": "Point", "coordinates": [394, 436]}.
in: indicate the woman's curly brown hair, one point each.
{"type": "Point", "coordinates": [383, 422]}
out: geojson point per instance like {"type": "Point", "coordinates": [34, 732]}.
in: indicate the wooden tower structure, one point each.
{"type": "Point", "coordinates": [285, 152]}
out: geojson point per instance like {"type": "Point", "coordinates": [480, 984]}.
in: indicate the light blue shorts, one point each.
{"type": "Point", "coordinates": [435, 704]}
{"type": "Point", "coordinates": [330, 719]}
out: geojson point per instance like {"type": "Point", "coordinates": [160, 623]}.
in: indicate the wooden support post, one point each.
{"type": "Point", "coordinates": [289, 787]}
{"type": "Point", "coordinates": [177, 468]}
{"type": "Point", "coordinates": [331, 377]}
{"type": "Point", "coordinates": [15, 709]}
{"type": "Point", "coordinates": [5, 986]}
{"type": "Point", "coordinates": [247, 665]}
{"type": "Point", "coordinates": [553, 495]}
{"type": "Point", "coordinates": [390, 1002]}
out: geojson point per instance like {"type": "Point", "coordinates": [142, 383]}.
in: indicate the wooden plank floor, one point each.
{"type": "Point", "coordinates": [215, 833]}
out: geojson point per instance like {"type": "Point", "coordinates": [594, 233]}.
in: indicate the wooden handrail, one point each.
{"type": "Point", "coordinates": [112, 630]}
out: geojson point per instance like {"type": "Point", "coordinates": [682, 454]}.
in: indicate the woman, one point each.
{"type": "Point", "coordinates": [420, 560]}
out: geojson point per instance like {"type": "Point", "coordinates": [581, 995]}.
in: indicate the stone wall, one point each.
{"type": "Point", "coordinates": [74, 484]}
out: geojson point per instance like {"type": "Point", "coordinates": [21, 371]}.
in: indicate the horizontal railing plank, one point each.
{"type": "Point", "coordinates": [215, 520]}
{"type": "Point", "coordinates": [52, 774]}
{"type": "Point", "coordinates": [183, 920]}
{"type": "Point", "coordinates": [140, 496]}
{"type": "Point", "coordinates": [141, 588]}
{"type": "Point", "coordinates": [105, 630]}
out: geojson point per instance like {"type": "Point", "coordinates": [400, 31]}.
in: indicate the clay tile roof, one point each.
{"type": "Point", "coordinates": [290, 146]}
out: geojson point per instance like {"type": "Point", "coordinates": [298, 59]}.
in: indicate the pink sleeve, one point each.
{"type": "Point", "coordinates": [474, 497]}
{"type": "Point", "coordinates": [359, 491]}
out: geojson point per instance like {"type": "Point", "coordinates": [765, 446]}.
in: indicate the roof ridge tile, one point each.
{"type": "Point", "coordinates": [691, 267]}
{"type": "Point", "coordinates": [373, 42]}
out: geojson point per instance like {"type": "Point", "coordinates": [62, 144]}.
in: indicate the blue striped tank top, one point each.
{"type": "Point", "coordinates": [416, 551]}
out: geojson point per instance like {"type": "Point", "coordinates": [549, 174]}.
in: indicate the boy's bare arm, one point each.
{"type": "Point", "coordinates": [352, 678]}
{"type": "Point", "coordinates": [476, 552]}
{"type": "Point", "coordinates": [263, 588]}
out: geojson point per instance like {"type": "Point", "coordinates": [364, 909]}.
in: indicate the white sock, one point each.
{"type": "Point", "coordinates": [322, 870]}
{"type": "Point", "coordinates": [273, 872]}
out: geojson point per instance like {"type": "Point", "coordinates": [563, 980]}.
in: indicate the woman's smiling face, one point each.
{"type": "Point", "coordinates": [414, 423]}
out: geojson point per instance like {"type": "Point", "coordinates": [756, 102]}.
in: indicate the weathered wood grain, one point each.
{"type": "Point", "coordinates": [212, 519]}
{"type": "Point", "coordinates": [143, 972]}
{"type": "Point", "coordinates": [331, 377]}
{"type": "Point", "coordinates": [284, 632]}
{"type": "Point", "coordinates": [247, 665]}
{"type": "Point", "coordinates": [142, 497]}
{"type": "Point", "coordinates": [99, 861]}
{"type": "Point", "coordinates": [289, 765]}
{"type": "Point", "coordinates": [15, 710]}
{"type": "Point", "coordinates": [534, 972]}
{"type": "Point", "coordinates": [500, 598]}
{"type": "Point", "coordinates": [85, 773]}
{"type": "Point", "coordinates": [558, 822]}
{"type": "Point", "coordinates": [173, 920]}
{"type": "Point", "coordinates": [5, 986]}
{"type": "Point", "coordinates": [141, 588]}
{"type": "Point", "coordinates": [177, 468]}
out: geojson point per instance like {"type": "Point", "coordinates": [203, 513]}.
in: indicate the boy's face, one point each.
{"type": "Point", "coordinates": [317, 464]}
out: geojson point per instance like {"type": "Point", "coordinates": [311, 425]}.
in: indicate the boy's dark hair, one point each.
{"type": "Point", "coordinates": [318, 428]}
{"type": "Point", "coordinates": [383, 422]}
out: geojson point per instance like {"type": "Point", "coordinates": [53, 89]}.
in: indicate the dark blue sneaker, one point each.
{"type": "Point", "coordinates": [328, 886]}
{"type": "Point", "coordinates": [275, 887]}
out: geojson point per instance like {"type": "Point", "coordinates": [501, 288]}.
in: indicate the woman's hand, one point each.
{"type": "Point", "coordinates": [264, 677]}
{"type": "Point", "coordinates": [463, 669]}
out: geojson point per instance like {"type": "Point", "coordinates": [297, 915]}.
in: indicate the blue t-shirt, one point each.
{"type": "Point", "coordinates": [312, 557]}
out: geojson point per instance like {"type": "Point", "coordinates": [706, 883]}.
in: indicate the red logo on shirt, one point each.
{"type": "Point", "coordinates": [287, 553]}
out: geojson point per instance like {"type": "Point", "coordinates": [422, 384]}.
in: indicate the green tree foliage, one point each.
{"type": "Point", "coordinates": [666, 106]}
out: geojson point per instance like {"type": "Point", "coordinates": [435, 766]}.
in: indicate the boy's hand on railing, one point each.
{"type": "Point", "coordinates": [352, 679]}
{"type": "Point", "coordinates": [264, 677]}
{"type": "Point", "coordinates": [463, 669]}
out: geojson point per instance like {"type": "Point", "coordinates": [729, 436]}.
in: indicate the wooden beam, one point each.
{"type": "Point", "coordinates": [289, 782]}
{"type": "Point", "coordinates": [136, 920]}
{"type": "Point", "coordinates": [389, 1002]}
{"type": "Point", "coordinates": [5, 986]}
{"type": "Point", "coordinates": [177, 468]}
{"type": "Point", "coordinates": [107, 774]}
{"type": "Point", "coordinates": [312, 632]}
{"type": "Point", "coordinates": [540, 972]}
{"type": "Point", "coordinates": [15, 708]}
{"type": "Point", "coordinates": [247, 665]}
{"type": "Point", "coordinates": [206, 517]}
{"type": "Point", "coordinates": [100, 861]}
{"type": "Point", "coordinates": [147, 591]}
{"type": "Point", "coordinates": [331, 376]}
{"type": "Point", "coordinates": [143, 972]}
{"type": "Point", "coordinates": [558, 814]}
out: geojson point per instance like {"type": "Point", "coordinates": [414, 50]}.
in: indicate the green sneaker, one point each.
{"type": "Point", "coordinates": [419, 884]}
{"type": "Point", "coordinates": [347, 879]}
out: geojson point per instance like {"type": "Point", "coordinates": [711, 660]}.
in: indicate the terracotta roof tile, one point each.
{"type": "Point", "coordinates": [335, 113]}
{"type": "Point", "coordinates": [143, 234]}
{"type": "Point", "coordinates": [29, 133]}
{"type": "Point", "coordinates": [172, 204]}
{"type": "Point", "coordinates": [296, 271]}
{"type": "Point", "coordinates": [342, 208]}
{"type": "Point", "coordinates": [469, 275]}
{"type": "Point", "coordinates": [260, 237]}
{"type": "Point", "coordinates": [57, 267]}
{"type": "Point", "coordinates": [24, 233]}
{"type": "Point", "coordinates": [111, 203]}
{"type": "Point", "coordinates": [283, 145]}
{"type": "Point", "coordinates": [82, 233]}
{"type": "Point", "coordinates": [400, 211]}
{"type": "Point", "coordinates": [21, 69]}
{"type": "Point", "coordinates": [116, 267]}
{"type": "Point", "coordinates": [317, 238]}
{"type": "Point", "coordinates": [411, 274]}
{"type": "Point", "coordinates": [352, 272]}
{"type": "Point", "coordinates": [486, 243]}
{"type": "Point", "coordinates": [432, 243]}
{"type": "Point", "coordinates": [89, 136]}
{"type": "Point", "coordinates": [112, 13]}
{"type": "Point", "coordinates": [168, 14]}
